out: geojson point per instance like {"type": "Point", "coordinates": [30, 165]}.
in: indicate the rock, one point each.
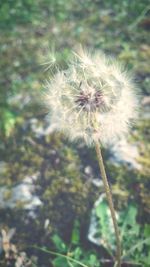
{"type": "Point", "coordinates": [125, 153]}
{"type": "Point", "coordinates": [21, 195]}
{"type": "Point", "coordinates": [41, 129]}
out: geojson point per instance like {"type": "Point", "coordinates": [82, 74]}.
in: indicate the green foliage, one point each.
{"type": "Point", "coordinates": [7, 122]}
{"type": "Point", "coordinates": [17, 11]}
{"type": "Point", "coordinates": [74, 251]}
{"type": "Point", "coordinates": [105, 223]}
{"type": "Point", "coordinates": [60, 245]}
{"type": "Point", "coordinates": [31, 11]}
{"type": "Point", "coordinates": [75, 237]}
{"type": "Point", "coordinates": [135, 238]}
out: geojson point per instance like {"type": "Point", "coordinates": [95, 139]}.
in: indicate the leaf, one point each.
{"type": "Point", "coordinates": [60, 262]}
{"type": "Point", "coordinates": [7, 121]}
{"type": "Point", "coordinates": [77, 253]}
{"type": "Point", "coordinates": [138, 245]}
{"type": "Point", "coordinates": [146, 260]}
{"type": "Point", "coordinates": [75, 238]}
{"type": "Point", "coordinates": [147, 230]}
{"type": "Point", "coordinates": [67, 257]}
{"type": "Point", "coordinates": [105, 223]}
{"type": "Point", "coordinates": [128, 220]}
{"type": "Point", "coordinates": [92, 260]}
{"type": "Point", "coordinates": [60, 245]}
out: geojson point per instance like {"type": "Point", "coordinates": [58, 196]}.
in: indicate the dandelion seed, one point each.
{"type": "Point", "coordinates": [52, 59]}
{"type": "Point", "coordinates": [94, 90]}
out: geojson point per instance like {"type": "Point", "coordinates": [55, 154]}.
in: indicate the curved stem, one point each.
{"type": "Point", "coordinates": [110, 202]}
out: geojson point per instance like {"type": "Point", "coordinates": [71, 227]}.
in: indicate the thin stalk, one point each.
{"type": "Point", "coordinates": [110, 202]}
{"type": "Point", "coordinates": [61, 255]}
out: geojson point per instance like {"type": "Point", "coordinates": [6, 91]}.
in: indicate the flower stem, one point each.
{"type": "Point", "coordinates": [110, 202]}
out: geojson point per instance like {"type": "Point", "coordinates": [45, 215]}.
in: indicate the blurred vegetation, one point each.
{"type": "Point", "coordinates": [30, 30]}
{"type": "Point", "coordinates": [136, 246]}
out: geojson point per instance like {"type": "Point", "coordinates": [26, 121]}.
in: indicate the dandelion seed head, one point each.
{"type": "Point", "coordinates": [93, 99]}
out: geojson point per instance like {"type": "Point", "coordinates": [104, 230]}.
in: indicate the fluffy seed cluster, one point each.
{"type": "Point", "coordinates": [93, 99]}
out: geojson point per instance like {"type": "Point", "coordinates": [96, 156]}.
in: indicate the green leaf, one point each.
{"type": "Point", "coordinates": [67, 257]}
{"type": "Point", "coordinates": [7, 121]}
{"type": "Point", "coordinates": [75, 238]}
{"type": "Point", "coordinates": [147, 230]}
{"type": "Point", "coordinates": [138, 245]}
{"type": "Point", "coordinates": [60, 262]}
{"type": "Point", "coordinates": [60, 245]}
{"type": "Point", "coordinates": [77, 253]}
{"type": "Point", "coordinates": [128, 220]}
{"type": "Point", "coordinates": [105, 223]}
{"type": "Point", "coordinates": [92, 260]}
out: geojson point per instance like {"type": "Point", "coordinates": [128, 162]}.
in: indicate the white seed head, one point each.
{"type": "Point", "coordinates": [93, 99]}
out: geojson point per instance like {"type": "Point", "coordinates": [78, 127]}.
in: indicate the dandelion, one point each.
{"type": "Point", "coordinates": [51, 59]}
{"type": "Point", "coordinates": [93, 100]}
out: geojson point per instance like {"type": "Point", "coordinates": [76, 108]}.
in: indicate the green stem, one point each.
{"type": "Point", "coordinates": [61, 255]}
{"type": "Point", "coordinates": [110, 202]}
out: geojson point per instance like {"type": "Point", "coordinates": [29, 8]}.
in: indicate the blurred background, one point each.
{"type": "Point", "coordinates": [51, 193]}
